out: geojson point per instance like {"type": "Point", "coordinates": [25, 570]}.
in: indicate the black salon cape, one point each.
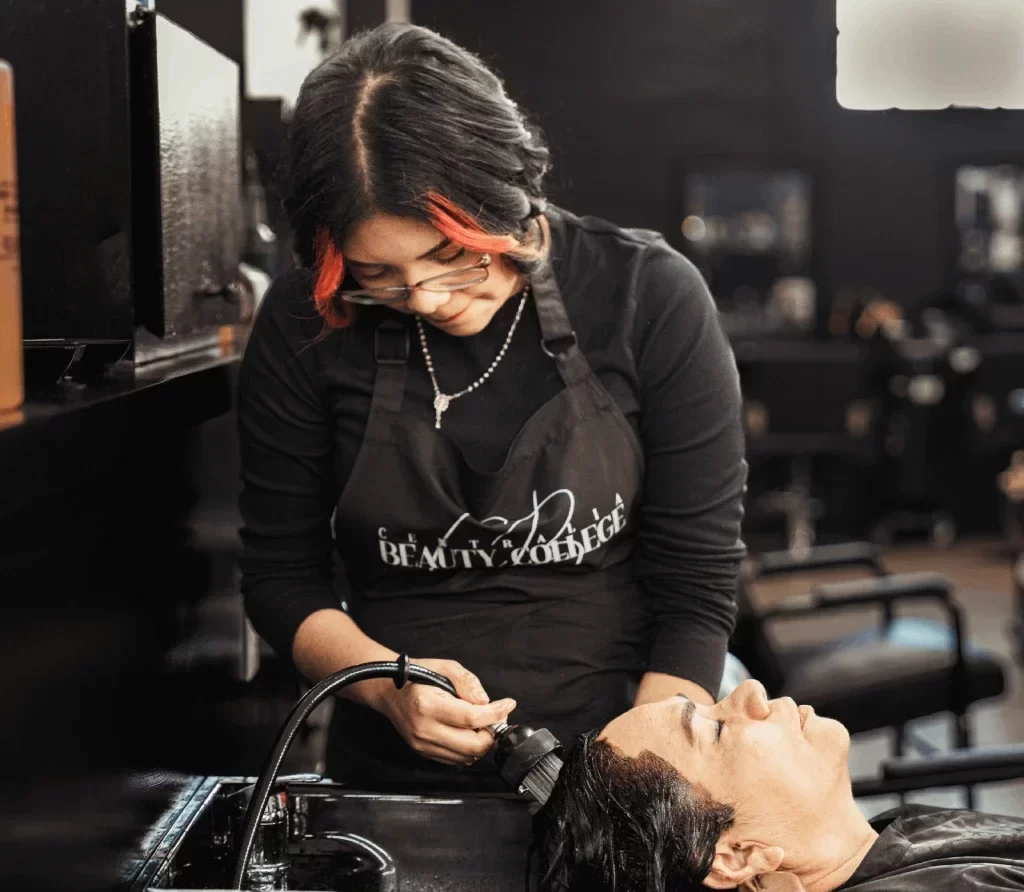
{"type": "Point", "coordinates": [925, 849]}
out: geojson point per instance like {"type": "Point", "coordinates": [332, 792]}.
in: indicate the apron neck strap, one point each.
{"type": "Point", "coordinates": [557, 338]}
{"type": "Point", "coordinates": [391, 352]}
{"type": "Point", "coordinates": [554, 321]}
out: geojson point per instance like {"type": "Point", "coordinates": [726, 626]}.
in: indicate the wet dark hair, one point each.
{"type": "Point", "coordinates": [618, 824]}
{"type": "Point", "coordinates": [402, 121]}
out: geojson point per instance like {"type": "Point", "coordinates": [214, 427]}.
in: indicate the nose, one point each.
{"type": "Point", "coordinates": [750, 700]}
{"type": "Point", "coordinates": [425, 303]}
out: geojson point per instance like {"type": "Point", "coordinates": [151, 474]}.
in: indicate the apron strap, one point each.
{"type": "Point", "coordinates": [391, 352]}
{"type": "Point", "coordinates": [557, 338]}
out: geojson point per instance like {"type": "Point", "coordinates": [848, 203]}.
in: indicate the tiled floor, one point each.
{"type": "Point", "coordinates": [981, 571]}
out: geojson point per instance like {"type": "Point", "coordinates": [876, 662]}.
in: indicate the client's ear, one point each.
{"type": "Point", "coordinates": [736, 863]}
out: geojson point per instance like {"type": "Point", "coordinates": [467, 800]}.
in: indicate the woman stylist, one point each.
{"type": "Point", "coordinates": [525, 424]}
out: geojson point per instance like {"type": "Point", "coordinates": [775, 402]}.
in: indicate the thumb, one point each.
{"type": "Point", "coordinates": [499, 710]}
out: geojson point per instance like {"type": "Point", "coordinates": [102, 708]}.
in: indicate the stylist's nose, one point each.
{"type": "Point", "coordinates": [426, 303]}
{"type": "Point", "coordinates": [750, 699]}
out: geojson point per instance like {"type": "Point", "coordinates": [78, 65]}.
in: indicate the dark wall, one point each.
{"type": "Point", "coordinates": [360, 14]}
{"type": "Point", "coordinates": [631, 95]}
{"type": "Point", "coordinates": [121, 638]}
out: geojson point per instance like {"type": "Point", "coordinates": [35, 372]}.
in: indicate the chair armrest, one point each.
{"type": "Point", "coordinates": [953, 769]}
{"type": "Point", "coordinates": [823, 557]}
{"type": "Point", "coordinates": [884, 590]}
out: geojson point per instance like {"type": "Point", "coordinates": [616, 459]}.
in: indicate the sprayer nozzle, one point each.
{"type": "Point", "coordinates": [528, 760]}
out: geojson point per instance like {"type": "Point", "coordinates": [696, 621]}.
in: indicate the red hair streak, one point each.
{"type": "Point", "coordinates": [330, 267]}
{"type": "Point", "coordinates": [454, 223]}
{"type": "Point", "coordinates": [448, 218]}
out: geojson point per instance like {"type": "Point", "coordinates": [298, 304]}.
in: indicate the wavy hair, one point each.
{"type": "Point", "coordinates": [618, 824]}
{"type": "Point", "coordinates": [404, 122]}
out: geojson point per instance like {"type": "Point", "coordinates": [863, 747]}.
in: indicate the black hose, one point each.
{"type": "Point", "coordinates": [401, 671]}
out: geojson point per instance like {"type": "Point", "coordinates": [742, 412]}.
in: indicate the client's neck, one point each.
{"type": "Point", "coordinates": [837, 847]}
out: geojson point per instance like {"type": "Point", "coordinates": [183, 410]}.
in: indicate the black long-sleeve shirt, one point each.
{"type": "Point", "coordinates": [648, 327]}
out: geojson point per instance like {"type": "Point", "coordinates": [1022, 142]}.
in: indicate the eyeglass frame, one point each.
{"type": "Point", "coordinates": [354, 296]}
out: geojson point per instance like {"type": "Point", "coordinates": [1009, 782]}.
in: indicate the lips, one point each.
{"type": "Point", "coordinates": [451, 318]}
{"type": "Point", "coordinates": [805, 713]}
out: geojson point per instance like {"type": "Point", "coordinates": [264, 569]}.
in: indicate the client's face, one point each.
{"type": "Point", "coordinates": [778, 765]}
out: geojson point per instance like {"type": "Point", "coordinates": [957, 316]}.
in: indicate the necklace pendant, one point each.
{"type": "Point", "coordinates": [441, 403]}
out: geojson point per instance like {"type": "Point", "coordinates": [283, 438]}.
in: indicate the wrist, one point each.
{"type": "Point", "coordinates": [376, 694]}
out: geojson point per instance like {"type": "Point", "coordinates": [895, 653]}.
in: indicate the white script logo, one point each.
{"type": "Point", "coordinates": [516, 543]}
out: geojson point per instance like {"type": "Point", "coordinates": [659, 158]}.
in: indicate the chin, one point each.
{"type": "Point", "coordinates": [827, 735]}
{"type": "Point", "coordinates": [836, 738]}
{"type": "Point", "coordinates": [840, 732]}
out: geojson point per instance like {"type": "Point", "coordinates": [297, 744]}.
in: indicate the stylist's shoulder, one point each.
{"type": "Point", "coordinates": [673, 302]}
{"type": "Point", "coordinates": [280, 351]}
{"type": "Point", "coordinates": [287, 309]}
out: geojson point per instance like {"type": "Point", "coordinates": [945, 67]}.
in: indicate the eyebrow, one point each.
{"type": "Point", "coordinates": [689, 709]}
{"type": "Point", "coordinates": [426, 255]}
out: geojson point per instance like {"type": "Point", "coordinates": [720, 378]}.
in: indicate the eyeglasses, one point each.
{"type": "Point", "coordinates": [453, 281]}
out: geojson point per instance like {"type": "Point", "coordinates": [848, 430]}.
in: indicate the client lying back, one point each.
{"type": "Point", "coordinates": [750, 794]}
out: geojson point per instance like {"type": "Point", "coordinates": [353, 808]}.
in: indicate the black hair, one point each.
{"type": "Point", "coordinates": [619, 824]}
{"type": "Point", "coordinates": [399, 113]}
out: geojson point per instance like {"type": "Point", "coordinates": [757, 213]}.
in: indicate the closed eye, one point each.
{"type": "Point", "coordinates": [718, 729]}
{"type": "Point", "coordinates": [373, 274]}
{"type": "Point", "coordinates": [458, 255]}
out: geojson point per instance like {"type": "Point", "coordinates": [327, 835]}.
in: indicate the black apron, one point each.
{"type": "Point", "coordinates": [522, 575]}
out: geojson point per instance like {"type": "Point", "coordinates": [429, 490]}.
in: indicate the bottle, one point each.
{"type": "Point", "coordinates": [12, 374]}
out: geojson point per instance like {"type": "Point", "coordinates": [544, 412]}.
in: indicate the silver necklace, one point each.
{"type": "Point", "coordinates": [443, 400]}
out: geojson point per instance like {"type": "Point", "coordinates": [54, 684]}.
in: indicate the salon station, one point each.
{"type": "Point", "coordinates": [553, 446]}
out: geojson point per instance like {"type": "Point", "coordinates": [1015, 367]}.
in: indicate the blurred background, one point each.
{"type": "Point", "coordinates": [851, 187]}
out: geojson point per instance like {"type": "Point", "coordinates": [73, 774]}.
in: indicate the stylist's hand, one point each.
{"type": "Point", "coordinates": [442, 727]}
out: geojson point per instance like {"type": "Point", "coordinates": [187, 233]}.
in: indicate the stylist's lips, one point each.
{"type": "Point", "coordinates": [449, 320]}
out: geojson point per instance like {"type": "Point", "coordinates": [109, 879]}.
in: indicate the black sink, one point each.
{"type": "Point", "coordinates": [350, 841]}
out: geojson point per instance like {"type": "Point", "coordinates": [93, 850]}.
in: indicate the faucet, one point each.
{"type": "Point", "coordinates": [401, 671]}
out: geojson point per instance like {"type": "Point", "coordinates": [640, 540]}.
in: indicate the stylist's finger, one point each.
{"type": "Point", "coordinates": [467, 685]}
{"type": "Point", "coordinates": [460, 714]}
{"type": "Point", "coordinates": [468, 741]}
{"type": "Point", "coordinates": [467, 746]}
{"type": "Point", "coordinates": [441, 754]}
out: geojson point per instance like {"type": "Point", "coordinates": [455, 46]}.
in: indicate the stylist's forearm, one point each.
{"type": "Point", "coordinates": [655, 686]}
{"type": "Point", "coordinates": [328, 641]}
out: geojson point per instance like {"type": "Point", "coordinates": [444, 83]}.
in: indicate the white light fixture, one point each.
{"type": "Point", "coordinates": [930, 54]}
{"type": "Point", "coordinates": [398, 10]}
{"type": "Point", "coordinates": [277, 56]}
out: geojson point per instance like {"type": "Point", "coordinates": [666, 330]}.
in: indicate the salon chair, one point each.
{"type": "Point", "coordinates": [885, 676]}
{"type": "Point", "coordinates": [803, 401]}
{"type": "Point", "coordinates": [962, 768]}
